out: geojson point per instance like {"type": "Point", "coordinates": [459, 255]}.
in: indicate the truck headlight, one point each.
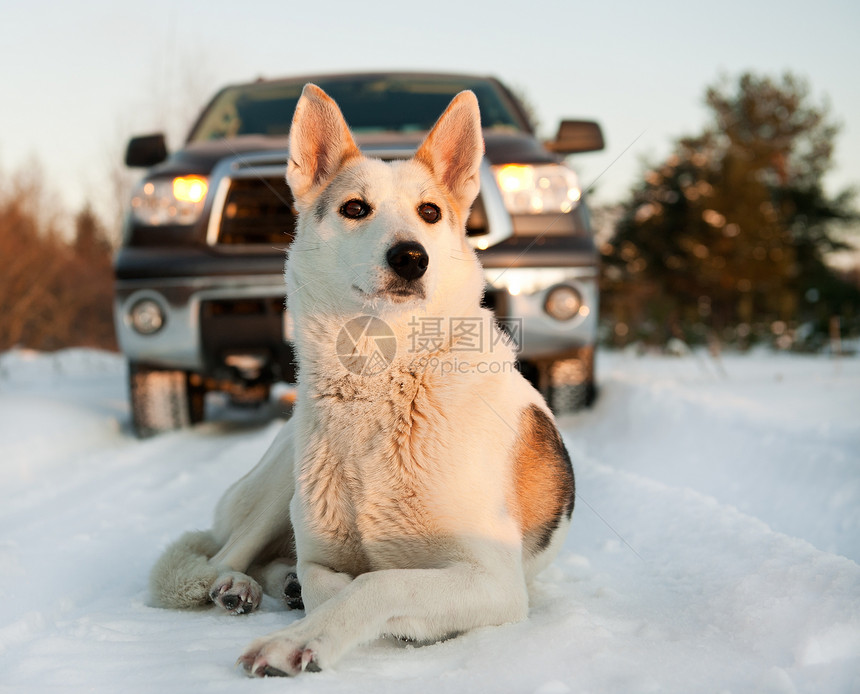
{"type": "Point", "coordinates": [160, 201]}
{"type": "Point", "coordinates": [538, 188]}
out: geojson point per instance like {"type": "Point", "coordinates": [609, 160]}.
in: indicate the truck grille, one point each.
{"type": "Point", "coordinates": [251, 326]}
{"type": "Point", "coordinates": [260, 211]}
{"type": "Point", "coordinates": [476, 224]}
{"type": "Point", "coordinates": [257, 211]}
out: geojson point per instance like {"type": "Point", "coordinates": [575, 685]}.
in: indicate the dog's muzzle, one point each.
{"type": "Point", "coordinates": [408, 259]}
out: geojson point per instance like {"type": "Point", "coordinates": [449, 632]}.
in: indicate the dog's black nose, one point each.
{"type": "Point", "coordinates": [408, 259]}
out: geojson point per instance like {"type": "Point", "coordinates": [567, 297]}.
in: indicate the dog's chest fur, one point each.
{"type": "Point", "coordinates": [374, 471]}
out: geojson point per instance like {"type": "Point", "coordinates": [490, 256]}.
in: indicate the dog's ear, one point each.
{"type": "Point", "coordinates": [453, 150]}
{"type": "Point", "coordinates": [320, 143]}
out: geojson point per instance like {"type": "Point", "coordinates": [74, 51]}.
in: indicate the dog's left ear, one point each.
{"type": "Point", "coordinates": [320, 143]}
{"type": "Point", "coordinates": [453, 150]}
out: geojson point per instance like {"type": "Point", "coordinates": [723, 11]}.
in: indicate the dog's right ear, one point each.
{"type": "Point", "coordinates": [320, 143]}
{"type": "Point", "coordinates": [453, 150]}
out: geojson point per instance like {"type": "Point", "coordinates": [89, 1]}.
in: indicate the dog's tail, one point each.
{"type": "Point", "coordinates": [183, 576]}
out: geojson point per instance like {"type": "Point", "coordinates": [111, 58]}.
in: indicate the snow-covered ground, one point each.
{"type": "Point", "coordinates": [713, 549]}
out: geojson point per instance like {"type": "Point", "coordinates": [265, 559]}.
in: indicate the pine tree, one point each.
{"type": "Point", "coordinates": [734, 227]}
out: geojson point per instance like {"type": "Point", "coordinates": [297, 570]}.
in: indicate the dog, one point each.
{"type": "Point", "coordinates": [419, 486]}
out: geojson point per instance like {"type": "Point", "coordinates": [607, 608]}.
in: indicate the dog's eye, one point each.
{"type": "Point", "coordinates": [355, 209]}
{"type": "Point", "coordinates": [429, 212]}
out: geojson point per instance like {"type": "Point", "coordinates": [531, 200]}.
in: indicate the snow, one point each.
{"type": "Point", "coordinates": [713, 549]}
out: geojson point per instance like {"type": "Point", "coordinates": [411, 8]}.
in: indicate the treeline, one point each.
{"type": "Point", "coordinates": [727, 239]}
{"type": "Point", "coordinates": [56, 280]}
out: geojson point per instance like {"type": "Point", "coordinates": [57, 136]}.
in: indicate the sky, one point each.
{"type": "Point", "coordinates": [80, 78]}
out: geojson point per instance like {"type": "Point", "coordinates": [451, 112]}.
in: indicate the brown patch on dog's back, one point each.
{"type": "Point", "coordinates": [544, 488]}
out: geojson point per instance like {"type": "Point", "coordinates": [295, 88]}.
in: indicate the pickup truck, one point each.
{"type": "Point", "coordinates": [200, 300]}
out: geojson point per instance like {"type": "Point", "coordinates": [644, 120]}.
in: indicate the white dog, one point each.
{"type": "Point", "coordinates": [420, 484]}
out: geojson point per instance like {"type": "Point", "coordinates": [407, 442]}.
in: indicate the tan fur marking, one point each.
{"type": "Point", "coordinates": [543, 479]}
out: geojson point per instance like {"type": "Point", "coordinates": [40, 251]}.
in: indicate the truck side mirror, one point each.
{"type": "Point", "coordinates": [146, 151]}
{"type": "Point", "coordinates": [577, 136]}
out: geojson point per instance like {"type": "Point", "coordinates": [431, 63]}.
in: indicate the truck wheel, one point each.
{"type": "Point", "coordinates": [163, 400]}
{"type": "Point", "coordinates": [567, 384]}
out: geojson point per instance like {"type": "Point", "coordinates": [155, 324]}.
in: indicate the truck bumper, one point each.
{"type": "Point", "coordinates": [519, 298]}
{"type": "Point", "coordinates": [225, 328]}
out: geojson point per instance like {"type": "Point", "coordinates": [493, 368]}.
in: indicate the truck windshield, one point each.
{"type": "Point", "coordinates": [369, 104]}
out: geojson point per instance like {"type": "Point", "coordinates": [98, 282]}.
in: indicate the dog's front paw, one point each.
{"type": "Point", "coordinates": [236, 593]}
{"type": "Point", "coordinates": [279, 657]}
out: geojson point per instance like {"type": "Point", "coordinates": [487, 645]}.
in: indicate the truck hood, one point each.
{"type": "Point", "coordinates": [201, 157]}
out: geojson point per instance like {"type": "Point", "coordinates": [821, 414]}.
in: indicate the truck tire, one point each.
{"type": "Point", "coordinates": [567, 384]}
{"type": "Point", "coordinates": [163, 400]}
{"type": "Point", "coordinates": [571, 388]}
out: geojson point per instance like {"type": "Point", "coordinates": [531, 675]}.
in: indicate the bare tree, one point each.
{"type": "Point", "coordinates": [55, 291]}
{"type": "Point", "coordinates": [178, 86]}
